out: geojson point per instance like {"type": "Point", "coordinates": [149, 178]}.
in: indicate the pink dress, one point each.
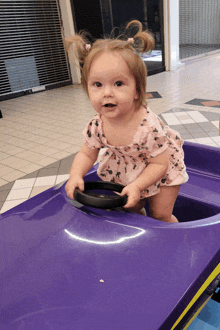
{"type": "Point", "coordinates": [125, 163]}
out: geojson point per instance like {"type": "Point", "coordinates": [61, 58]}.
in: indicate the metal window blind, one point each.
{"type": "Point", "coordinates": [199, 27]}
{"type": "Point", "coordinates": [31, 46]}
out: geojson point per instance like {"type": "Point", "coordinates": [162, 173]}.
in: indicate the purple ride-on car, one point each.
{"type": "Point", "coordinates": [67, 266]}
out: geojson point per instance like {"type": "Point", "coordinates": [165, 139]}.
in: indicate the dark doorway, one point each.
{"type": "Point", "coordinates": [155, 61]}
{"type": "Point", "coordinates": [123, 11]}
{"type": "Point", "coordinates": [87, 16]}
{"type": "Point", "coordinates": [99, 17]}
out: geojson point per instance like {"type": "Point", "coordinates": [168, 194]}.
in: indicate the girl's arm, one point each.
{"type": "Point", "coordinates": [152, 173]}
{"type": "Point", "coordinates": [82, 163]}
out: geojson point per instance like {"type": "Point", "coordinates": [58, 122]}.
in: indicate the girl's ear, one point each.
{"type": "Point", "coordinates": [136, 96]}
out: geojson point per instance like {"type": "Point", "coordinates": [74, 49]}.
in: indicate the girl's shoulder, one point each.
{"type": "Point", "coordinates": [150, 113]}
{"type": "Point", "coordinates": [93, 133]}
{"type": "Point", "coordinates": [157, 128]}
{"type": "Point", "coordinates": [95, 122]}
{"type": "Point", "coordinates": [93, 125]}
{"type": "Point", "coordinates": [95, 118]}
{"type": "Point", "coordinates": [151, 119]}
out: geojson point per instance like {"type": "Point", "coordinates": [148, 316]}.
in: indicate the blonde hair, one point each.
{"type": "Point", "coordinates": [142, 41]}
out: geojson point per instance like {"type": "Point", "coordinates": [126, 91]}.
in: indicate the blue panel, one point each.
{"type": "Point", "coordinates": [211, 314]}
{"type": "Point", "coordinates": [208, 318]}
{"type": "Point", "coordinates": [200, 325]}
{"type": "Point", "coordinates": [22, 73]}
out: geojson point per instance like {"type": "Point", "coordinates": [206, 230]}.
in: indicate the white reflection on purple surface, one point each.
{"type": "Point", "coordinates": [120, 240]}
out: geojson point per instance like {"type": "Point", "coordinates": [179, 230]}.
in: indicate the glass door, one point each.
{"type": "Point", "coordinates": [150, 13]}
{"type": "Point", "coordinates": [154, 60]}
{"type": "Point", "coordinates": [99, 17]}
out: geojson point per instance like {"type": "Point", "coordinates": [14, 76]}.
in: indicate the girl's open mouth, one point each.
{"type": "Point", "coordinates": [109, 105]}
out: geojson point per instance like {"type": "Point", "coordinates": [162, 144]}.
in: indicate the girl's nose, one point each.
{"type": "Point", "coordinates": [108, 91]}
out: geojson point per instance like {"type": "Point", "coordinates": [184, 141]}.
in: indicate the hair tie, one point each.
{"type": "Point", "coordinates": [131, 40]}
{"type": "Point", "coordinates": [88, 47]}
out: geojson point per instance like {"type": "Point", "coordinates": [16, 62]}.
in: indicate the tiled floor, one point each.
{"type": "Point", "coordinates": [194, 125]}
{"type": "Point", "coordinates": [40, 133]}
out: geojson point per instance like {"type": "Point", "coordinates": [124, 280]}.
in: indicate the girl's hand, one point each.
{"type": "Point", "coordinates": [134, 195]}
{"type": "Point", "coordinates": [72, 184]}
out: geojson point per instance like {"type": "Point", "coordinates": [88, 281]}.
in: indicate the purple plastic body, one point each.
{"type": "Point", "coordinates": [76, 267]}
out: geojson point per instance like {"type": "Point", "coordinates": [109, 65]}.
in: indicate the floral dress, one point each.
{"type": "Point", "coordinates": [125, 163]}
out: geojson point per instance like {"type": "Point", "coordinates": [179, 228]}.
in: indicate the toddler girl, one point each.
{"type": "Point", "coordinates": [142, 153]}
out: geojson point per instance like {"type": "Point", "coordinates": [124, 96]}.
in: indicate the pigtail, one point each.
{"type": "Point", "coordinates": [80, 44]}
{"type": "Point", "coordinates": [143, 40]}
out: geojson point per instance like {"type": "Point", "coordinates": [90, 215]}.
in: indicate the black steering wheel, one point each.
{"type": "Point", "coordinates": [102, 201]}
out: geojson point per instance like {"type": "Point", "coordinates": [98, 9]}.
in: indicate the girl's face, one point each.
{"type": "Point", "coordinates": [111, 86]}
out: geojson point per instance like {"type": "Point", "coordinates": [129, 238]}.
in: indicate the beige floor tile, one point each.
{"type": "Point", "coordinates": [19, 164]}
{"type": "Point", "coordinates": [32, 138]}
{"type": "Point", "coordinates": [10, 204]}
{"type": "Point", "coordinates": [73, 149]}
{"type": "Point", "coordinates": [52, 144]}
{"type": "Point", "coordinates": [42, 133]}
{"type": "Point", "coordinates": [60, 130]}
{"type": "Point", "coordinates": [61, 145]}
{"type": "Point", "coordinates": [17, 142]}
{"type": "Point", "coordinates": [5, 137]}
{"type": "Point", "coordinates": [26, 154]}
{"type": "Point", "coordinates": [15, 151]}
{"type": "Point", "coordinates": [22, 193]}
{"type": "Point", "coordinates": [216, 139]}
{"type": "Point", "coordinates": [69, 132]}
{"type": "Point", "coordinates": [64, 138]}
{"type": "Point", "coordinates": [26, 136]}
{"type": "Point", "coordinates": [6, 130]}
{"type": "Point", "coordinates": [46, 161]}
{"type": "Point", "coordinates": [37, 190]}
{"type": "Point", "coordinates": [45, 150]}
{"type": "Point", "coordinates": [3, 182]}
{"type": "Point", "coordinates": [31, 168]}
{"type": "Point", "coordinates": [36, 157]}
{"type": "Point", "coordinates": [9, 161]}
{"type": "Point", "coordinates": [43, 140]}
{"type": "Point", "coordinates": [24, 183]}
{"type": "Point", "coordinates": [53, 135]}
{"type": "Point", "coordinates": [45, 181]}
{"type": "Point", "coordinates": [78, 140]}
{"type": "Point", "coordinates": [13, 176]}
{"type": "Point", "coordinates": [5, 170]}
{"type": "Point", "coordinates": [3, 155]}
{"type": "Point", "coordinates": [29, 145]}
{"type": "Point", "coordinates": [61, 178]}
{"type": "Point", "coordinates": [49, 151]}
{"type": "Point", "coordinates": [61, 154]}
{"type": "Point", "coordinates": [216, 123]}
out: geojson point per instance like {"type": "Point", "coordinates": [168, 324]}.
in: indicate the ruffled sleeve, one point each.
{"type": "Point", "coordinates": [153, 136]}
{"type": "Point", "coordinates": [93, 133]}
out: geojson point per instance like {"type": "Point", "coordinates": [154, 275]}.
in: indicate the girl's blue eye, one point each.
{"type": "Point", "coordinates": [118, 83]}
{"type": "Point", "coordinates": [97, 84]}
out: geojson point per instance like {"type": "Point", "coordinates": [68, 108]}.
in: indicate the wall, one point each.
{"type": "Point", "coordinates": [199, 21]}
{"type": "Point", "coordinates": [68, 26]}
{"type": "Point", "coordinates": [171, 34]}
